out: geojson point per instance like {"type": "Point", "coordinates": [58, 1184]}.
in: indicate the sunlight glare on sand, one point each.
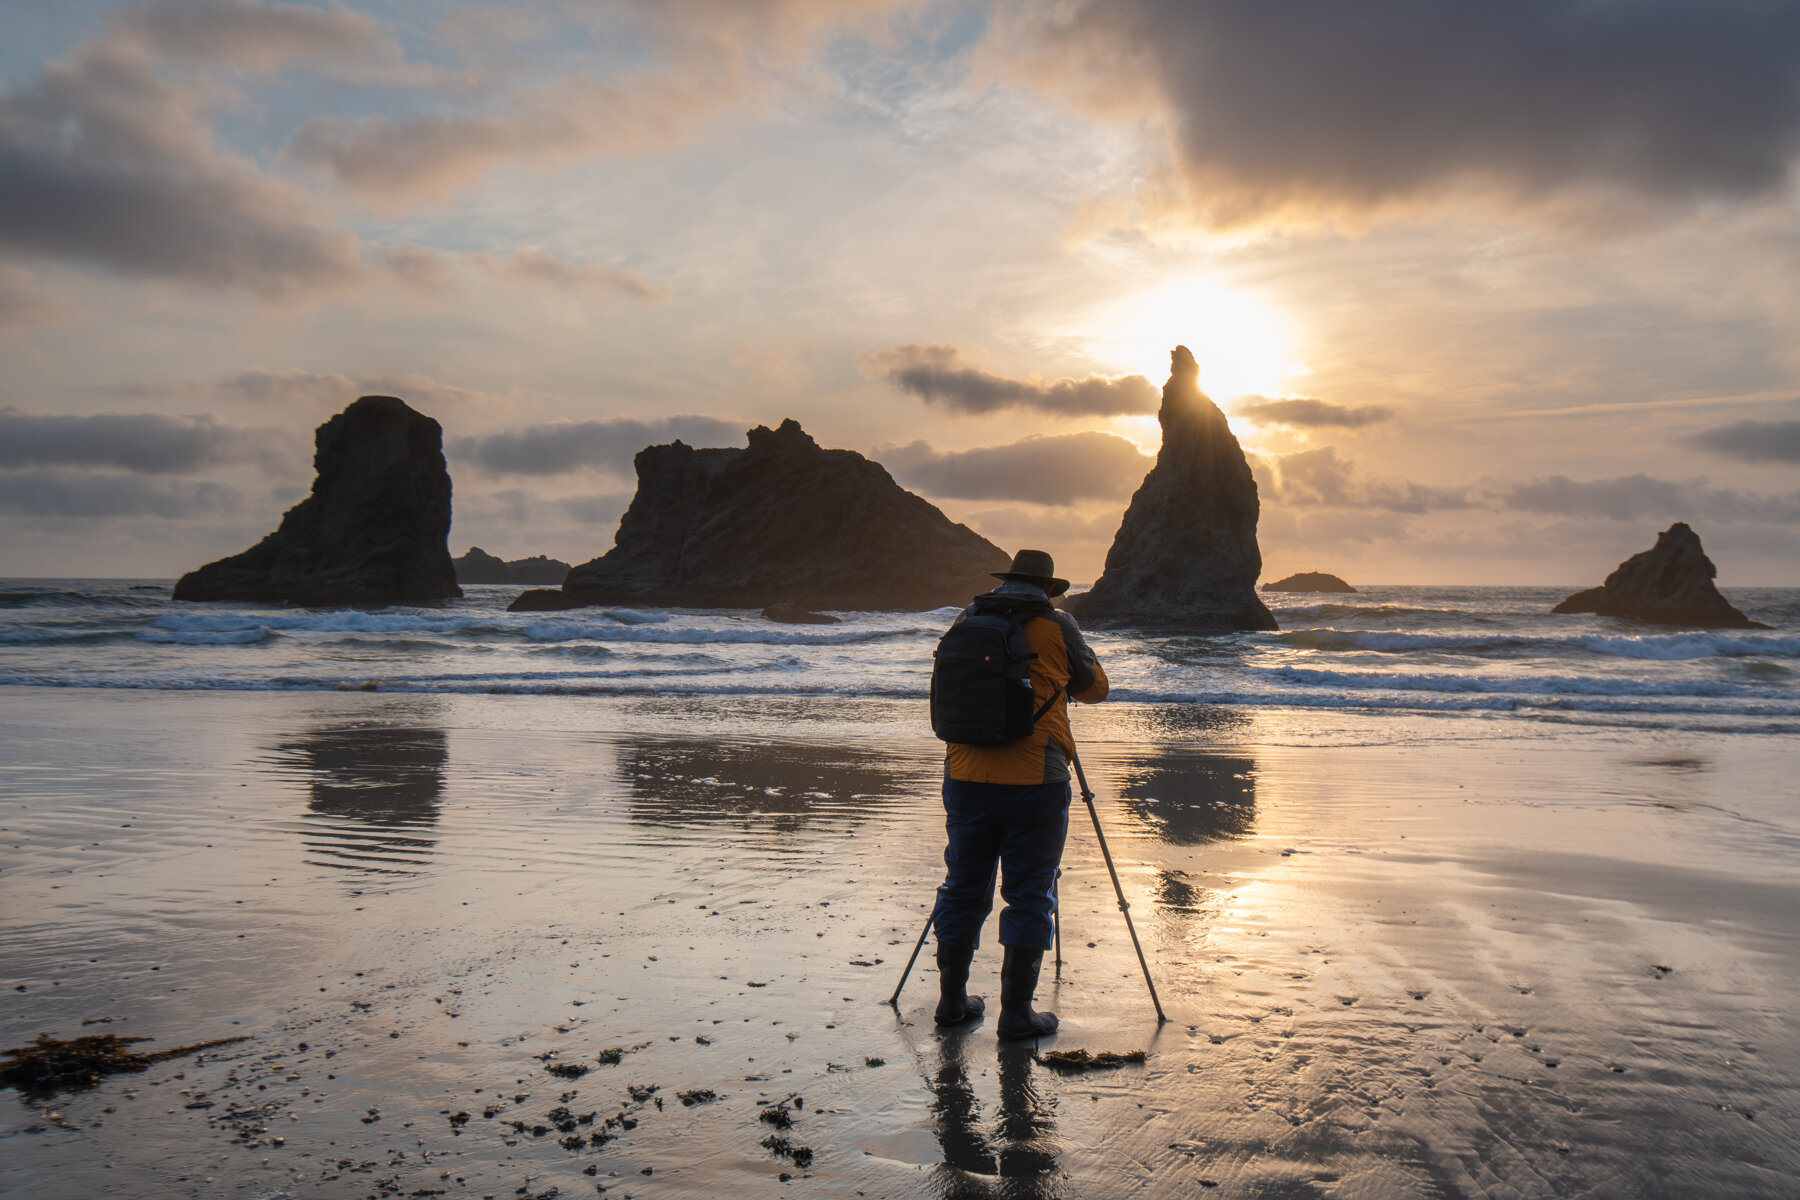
{"type": "Point", "coordinates": [1242, 343]}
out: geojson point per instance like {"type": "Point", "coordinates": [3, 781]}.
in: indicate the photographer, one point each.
{"type": "Point", "coordinates": [1006, 803]}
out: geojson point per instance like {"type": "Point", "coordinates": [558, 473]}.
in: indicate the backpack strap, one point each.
{"type": "Point", "coordinates": [1046, 708]}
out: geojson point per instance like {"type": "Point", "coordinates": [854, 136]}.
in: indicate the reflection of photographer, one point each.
{"type": "Point", "coordinates": [1022, 1144]}
{"type": "Point", "coordinates": [999, 694]}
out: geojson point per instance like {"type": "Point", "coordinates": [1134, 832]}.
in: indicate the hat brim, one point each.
{"type": "Point", "coordinates": [1051, 584]}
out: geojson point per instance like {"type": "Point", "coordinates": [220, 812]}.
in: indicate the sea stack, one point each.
{"type": "Point", "coordinates": [1186, 555]}
{"type": "Point", "coordinates": [1671, 584]}
{"type": "Point", "coordinates": [781, 522]}
{"type": "Point", "coordinates": [373, 532]}
{"type": "Point", "coordinates": [1309, 581]}
{"type": "Point", "coordinates": [478, 566]}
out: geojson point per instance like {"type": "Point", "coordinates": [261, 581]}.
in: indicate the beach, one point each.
{"type": "Point", "coordinates": [1402, 952]}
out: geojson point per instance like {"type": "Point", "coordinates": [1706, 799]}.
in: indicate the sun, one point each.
{"type": "Point", "coordinates": [1242, 343]}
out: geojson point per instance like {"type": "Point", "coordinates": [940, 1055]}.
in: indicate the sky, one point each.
{"type": "Point", "coordinates": [1492, 291]}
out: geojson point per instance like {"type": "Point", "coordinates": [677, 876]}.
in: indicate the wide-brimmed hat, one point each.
{"type": "Point", "coordinates": [1035, 566]}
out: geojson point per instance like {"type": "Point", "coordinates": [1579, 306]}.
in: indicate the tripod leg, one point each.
{"type": "Point", "coordinates": [1056, 921]}
{"type": "Point", "coordinates": [1087, 796]}
{"type": "Point", "coordinates": [894, 1000]}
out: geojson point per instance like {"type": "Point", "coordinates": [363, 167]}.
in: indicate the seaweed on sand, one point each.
{"type": "Point", "coordinates": [782, 1147]}
{"type": "Point", "coordinates": [50, 1065]}
{"type": "Point", "coordinates": [1081, 1060]}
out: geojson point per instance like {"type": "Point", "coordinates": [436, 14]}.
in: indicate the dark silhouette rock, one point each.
{"type": "Point", "coordinates": [540, 568]}
{"type": "Point", "coordinates": [1587, 600]}
{"type": "Point", "coordinates": [1309, 581]}
{"type": "Point", "coordinates": [1186, 554]}
{"type": "Point", "coordinates": [779, 522]}
{"type": "Point", "coordinates": [478, 566]}
{"type": "Point", "coordinates": [372, 533]}
{"type": "Point", "coordinates": [544, 600]}
{"type": "Point", "coordinates": [1671, 584]}
{"type": "Point", "coordinates": [793, 614]}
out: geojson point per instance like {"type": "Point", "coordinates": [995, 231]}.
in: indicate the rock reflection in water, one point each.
{"type": "Point", "coordinates": [1188, 799]}
{"type": "Point", "coordinates": [375, 795]}
{"type": "Point", "coordinates": [1017, 1156]}
{"type": "Point", "coordinates": [1173, 891]}
{"type": "Point", "coordinates": [789, 784]}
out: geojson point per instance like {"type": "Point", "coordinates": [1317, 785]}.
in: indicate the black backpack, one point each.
{"type": "Point", "coordinates": [981, 691]}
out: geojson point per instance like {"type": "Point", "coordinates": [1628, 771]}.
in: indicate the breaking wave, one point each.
{"type": "Point", "coordinates": [1668, 647]}
{"type": "Point", "coordinates": [1421, 650]}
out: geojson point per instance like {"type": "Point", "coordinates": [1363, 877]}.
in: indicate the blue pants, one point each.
{"type": "Point", "coordinates": [1018, 830]}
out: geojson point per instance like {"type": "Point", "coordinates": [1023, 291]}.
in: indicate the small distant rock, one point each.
{"type": "Point", "coordinates": [793, 614]}
{"type": "Point", "coordinates": [545, 600]}
{"type": "Point", "coordinates": [1671, 584]}
{"type": "Point", "coordinates": [539, 568]}
{"type": "Point", "coordinates": [1587, 600]}
{"type": "Point", "coordinates": [1309, 581]}
{"type": "Point", "coordinates": [478, 566]}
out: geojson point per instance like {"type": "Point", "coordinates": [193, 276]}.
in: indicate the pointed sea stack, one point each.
{"type": "Point", "coordinates": [1186, 555]}
{"type": "Point", "coordinates": [782, 522]}
{"type": "Point", "coordinates": [373, 532]}
{"type": "Point", "coordinates": [1671, 584]}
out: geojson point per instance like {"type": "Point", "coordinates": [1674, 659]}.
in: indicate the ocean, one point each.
{"type": "Point", "coordinates": [1493, 651]}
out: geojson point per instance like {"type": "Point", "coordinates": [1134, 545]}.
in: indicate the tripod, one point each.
{"type": "Point", "coordinates": [1087, 795]}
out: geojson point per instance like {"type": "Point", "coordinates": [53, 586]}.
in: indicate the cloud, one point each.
{"type": "Point", "coordinates": [109, 158]}
{"type": "Point", "coordinates": [109, 163]}
{"type": "Point", "coordinates": [331, 390]}
{"type": "Point", "coordinates": [940, 376]}
{"type": "Point", "coordinates": [1304, 413]}
{"type": "Point", "coordinates": [246, 35]}
{"type": "Point", "coordinates": [530, 266]}
{"type": "Point", "coordinates": [81, 494]}
{"type": "Point", "coordinates": [708, 62]}
{"type": "Point", "coordinates": [609, 444]}
{"type": "Point", "coordinates": [1320, 477]}
{"type": "Point", "coordinates": [1025, 525]}
{"type": "Point", "coordinates": [603, 509]}
{"type": "Point", "coordinates": [1317, 108]}
{"type": "Point", "coordinates": [1753, 441]}
{"type": "Point", "coordinates": [1639, 497]}
{"type": "Point", "coordinates": [1055, 469]}
{"type": "Point", "coordinates": [25, 301]}
{"type": "Point", "coordinates": [146, 442]}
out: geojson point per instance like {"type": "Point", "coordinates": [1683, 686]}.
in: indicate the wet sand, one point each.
{"type": "Point", "coordinates": [1401, 956]}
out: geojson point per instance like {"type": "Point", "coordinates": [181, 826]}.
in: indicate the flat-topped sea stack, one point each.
{"type": "Point", "coordinates": [375, 530]}
{"type": "Point", "coordinates": [781, 522]}
{"type": "Point", "coordinates": [1671, 584]}
{"type": "Point", "coordinates": [539, 568]}
{"type": "Point", "coordinates": [478, 566]}
{"type": "Point", "coordinates": [1309, 581]}
{"type": "Point", "coordinates": [1185, 556]}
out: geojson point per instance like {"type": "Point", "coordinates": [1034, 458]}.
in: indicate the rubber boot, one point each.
{"type": "Point", "coordinates": [955, 1005]}
{"type": "Point", "coordinates": [1018, 983]}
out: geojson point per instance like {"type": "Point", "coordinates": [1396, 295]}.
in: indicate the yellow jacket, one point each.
{"type": "Point", "coordinates": [1064, 664]}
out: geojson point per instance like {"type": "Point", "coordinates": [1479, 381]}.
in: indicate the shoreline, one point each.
{"type": "Point", "coordinates": [1377, 979]}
